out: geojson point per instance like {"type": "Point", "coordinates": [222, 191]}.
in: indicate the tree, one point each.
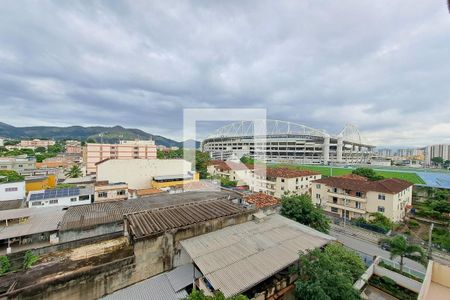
{"type": "Point", "coordinates": [74, 172]}
{"type": "Point", "coordinates": [10, 175]}
{"type": "Point", "coordinates": [91, 141]}
{"type": "Point", "coordinates": [437, 161]}
{"type": "Point", "coordinates": [301, 209]}
{"type": "Point", "coordinates": [5, 265]}
{"type": "Point", "coordinates": [200, 295]}
{"type": "Point", "coordinates": [201, 163]}
{"type": "Point", "coordinates": [224, 181]}
{"type": "Point", "coordinates": [246, 159]}
{"type": "Point", "coordinates": [29, 260]}
{"type": "Point", "coordinates": [446, 164]}
{"type": "Point", "coordinates": [380, 220]}
{"type": "Point", "coordinates": [329, 274]}
{"type": "Point", "coordinates": [400, 247]}
{"type": "Point", "coordinates": [368, 173]}
{"type": "Point", "coordinates": [40, 150]}
{"type": "Point", "coordinates": [55, 149]}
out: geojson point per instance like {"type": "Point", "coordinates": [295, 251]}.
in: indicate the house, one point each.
{"type": "Point", "coordinates": [19, 163]}
{"type": "Point", "coordinates": [105, 191]}
{"type": "Point", "coordinates": [354, 196]}
{"type": "Point", "coordinates": [61, 197]}
{"type": "Point", "coordinates": [278, 182]}
{"type": "Point", "coordinates": [234, 171]}
{"type": "Point", "coordinates": [12, 191]}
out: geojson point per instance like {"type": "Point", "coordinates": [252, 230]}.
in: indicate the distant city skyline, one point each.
{"type": "Point", "coordinates": [380, 65]}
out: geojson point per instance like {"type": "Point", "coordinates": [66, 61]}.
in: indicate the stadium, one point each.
{"type": "Point", "coordinates": [287, 142]}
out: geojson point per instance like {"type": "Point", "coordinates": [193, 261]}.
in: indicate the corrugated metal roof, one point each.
{"type": "Point", "coordinates": [238, 257]}
{"type": "Point", "coordinates": [166, 286]}
{"type": "Point", "coordinates": [38, 220]}
{"type": "Point", "coordinates": [82, 216]}
{"type": "Point", "coordinates": [146, 223]}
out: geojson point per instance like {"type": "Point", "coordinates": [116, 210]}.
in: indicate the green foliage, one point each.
{"type": "Point", "coordinates": [368, 173]}
{"type": "Point", "coordinates": [11, 175]}
{"type": "Point", "coordinates": [329, 274]}
{"type": "Point", "coordinates": [247, 160]}
{"type": "Point", "coordinates": [200, 295]}
{"type": "Point", "coordinates": [301, 209]}
{"type": "Point", "coordinates": [413, 224]}
{"type": "Point", "coordinates": [224, 181]}
{"type": "Point", "coordinates": [40, 157]}
{"type": "Point", "coordinates": [29, 260]}
{"type": "Point", "coordinates": [400, 247]}
{"type": "Point", "coordinates": [74, 172]}
{"type": "Point", "coordinates": [389, 267]}
{"type": "Point", "coordinates": [56, 148]}
{"type": "Point", "coordinates": [91, 141]}
{"type": "Point", "coordinates": [201, 163]}
{"type": "Point", "coordinates": [441, 237]}
{"type": "Point", "coordinates": [380, 220]}
{"type": "Point", "coordinates": [437, 160]}
{"type": "Point", "coordinates": [169, 154]}
{"type": "Point", "coordinates": [40, 150]}
{"type": "Point", "coordinates": [5, 265]}
{"type": "Point", "coordinates": [389, 286]}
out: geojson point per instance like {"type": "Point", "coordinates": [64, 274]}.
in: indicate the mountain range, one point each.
{"type": "Point", "coordinates": [98, 133]}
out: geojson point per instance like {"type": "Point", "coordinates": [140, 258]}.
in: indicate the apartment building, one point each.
{"type": "Point", "coordinates": [73, 147]}
{"type": "Point", "coordinates": [106, 191]}
{"type": "Point", "coordinates": [35, 143]}
{"type": "Point", "coordinates": [19, 163]}
{"type": "Point", "coordinates": [354, 196]}
{"type": "Point", "coordinates": [440, 150]}
{"type": "Point", "coordinates": [278, 182]}
{"type": "Point", "coordinates": [60, 197]}
{"type": "Point", "coordinates": [95, 153]}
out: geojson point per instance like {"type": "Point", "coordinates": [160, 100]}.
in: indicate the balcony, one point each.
{"type": "Point", "coordinates": [348, 207]}
{"type": "Point", "coordinates": [344, 195]}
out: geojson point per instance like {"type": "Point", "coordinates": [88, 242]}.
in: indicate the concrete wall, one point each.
{"type": "Point", "coordinates": [401, 280]}
{"type": "Point", "coordinates": [73, 235]}
{"type": "Point", "coordinates": [12, 191]}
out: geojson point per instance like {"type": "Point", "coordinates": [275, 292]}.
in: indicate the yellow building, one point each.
{"type": "Point", "coordinates": [36, 183]}
{"type": "Point", "coordinates": [159, 182]}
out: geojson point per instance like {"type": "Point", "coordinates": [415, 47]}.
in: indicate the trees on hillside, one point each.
{"type": "Point", "coordinates": [301, 209]}
{"type": "Point", "coordinates": [368, 173]}
{"type": "Point", "coordinates": [329, 274]}
{"type": "Point", "coordinates": [74, 172]}
{"type": "Point", "coordinates": [400, 247]}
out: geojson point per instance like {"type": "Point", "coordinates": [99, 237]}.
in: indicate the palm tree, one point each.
{"type": "Point", "coordinates": [74, 172]}
{"type": "Point", "coordinates": [399, 246]}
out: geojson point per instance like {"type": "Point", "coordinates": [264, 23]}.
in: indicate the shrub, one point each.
{"type": "Point", "coordinates": [5, 266]}
{"type": "Point", "coordinates": [29, 260]}
{"type": "Point", "coordinates": [413, 224]}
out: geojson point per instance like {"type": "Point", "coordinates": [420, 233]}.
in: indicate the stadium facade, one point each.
{"type": "Point", "coordinates": [287, 142]}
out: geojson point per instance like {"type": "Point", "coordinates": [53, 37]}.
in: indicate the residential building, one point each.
{"type": "Point", "coordinates": [384, 152]}
{"type": "Point", "coordinates": [105, 191]}
{"type": "Point", "coordinates": [73, 147]}
{"type": "Point", "coordinates": [139, 173]}
{"type": "Point", "coordinates": [60, 197]}
{"type": "Point", "coordinates": [12, 191]}
{"type": "Point", "coordinates": [19, 163]}
{"type": "Point", "coordinates": [354, 196]}
{"type": "Point", "coordinates": [235, 171]}
{"type": "Point", "coordinates": [436, 284]}
{"type": "Point", "coordinates": [167, 181]}
{"type": "Point", "coordinates": [95, 153]}
{"type": "Point", "coordinates": [261, 200]}
{"type": "Point", "coordinates": [35, 143]}
{"type": "Point", "coordinates": [439, 150]}
{"type": "Point", "coordinates": [283, 181]}
{"type": "Point", "coordinates": [60, 161]}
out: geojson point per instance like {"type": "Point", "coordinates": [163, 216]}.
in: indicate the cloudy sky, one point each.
{"type": "Point", "coordinates": [381, 65]}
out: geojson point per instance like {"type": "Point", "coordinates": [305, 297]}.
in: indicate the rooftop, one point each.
{"type": "Point", "coordinates": [58, 193]}
{"type": "Point", "coordinates": [10, 204]}
{"type": "Point", "coordinates": [166, 286]}
{"type": "Point", "coordinates": [83, 216]}
{"type": "Point", "coordinates": [286, 172]}
{"type": "Point", "coordinates": [261, 200]}
{"type": "Point", "coordinates": [155, 221]}
{"type": "Point", "coordinates": [389, 186]}
{"type": "Point", "coordinates": [238, 257]}
{"type": "Point", "coordinates": [229, 165]}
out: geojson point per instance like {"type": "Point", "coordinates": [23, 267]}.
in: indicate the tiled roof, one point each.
{"type": "Point", "coordinates": [229, 165]}
{"type": "Point", "coordinates": [286, 172]}
{"type": "Point", "coordinates": [261, 200]}
{"type": "Point", "coordinates": [156, 221]}
{"type": "Point", "coordinates": [389, 186]}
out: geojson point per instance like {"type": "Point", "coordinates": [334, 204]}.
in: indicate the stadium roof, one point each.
{"type": "Point", "coordinates": [238, 257]}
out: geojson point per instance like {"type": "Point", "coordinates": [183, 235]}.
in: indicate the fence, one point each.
{"type": "Point", "coordinates": [406, 269]}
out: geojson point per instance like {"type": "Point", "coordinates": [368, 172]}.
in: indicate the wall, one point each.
{"type": "Point", "coordinates": [73, 235]}
{"type": "Point", "coordinates": [138, 173]}
{"type": "Point", "coordinates": [401, 280]}
{"type": "Point", "coordinates": [13, 195]}
{"type": "Point", "coordinates": [46, 183]}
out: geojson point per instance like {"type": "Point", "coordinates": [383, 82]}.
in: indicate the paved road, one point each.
{"type": "Point", "coordinates": [371, 249]}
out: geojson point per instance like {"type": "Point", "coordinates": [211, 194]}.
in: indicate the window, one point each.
{"type": "Point", "coordinates": [36, 203]}
{"type": "Point", "coordinates": [73, 199]}
{"type": "Point", "coordinates": [381, 197]}
{"type": "Point", "coordinates": [317, 196]}
{"type": "Point", "coordinates": [282, 179]}
{"type": "Point", "coordinates": [54, 201]}
{"type": "Point", "coordinates": [358, 205]}
{"type": "Point", "coordinates": [334, 200]}
{"type": "Point", "coordinates": [359, 194]}
{"type": "Point", "coordinates": [282, 188]}
{"type": "Point", "coordinates": [334, 190]}
{"type": "Point", "coordinates": [11, 189]}
{"type": "Point", "coordinates": [381, 208]}
{"type": "Point", "coordinates": [102, 194]}
{"type": "Point", "coordinates": [318, 186]}
{"type": "Point", "coordinates": [334, 209]}
{"type": "Point", "coordinates": [83, 197]}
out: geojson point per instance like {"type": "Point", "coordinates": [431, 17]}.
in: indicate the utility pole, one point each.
{"type": "Point", "coordinates": [429, 240]}
{"type": "Point", "coordinates": [345, 206]}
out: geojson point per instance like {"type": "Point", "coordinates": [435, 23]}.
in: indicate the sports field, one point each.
{"type": "Point", "coordinates": [338, 171]}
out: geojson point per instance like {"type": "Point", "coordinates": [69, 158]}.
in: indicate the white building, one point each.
{"type": "Point", "coordinates": [12, 191]}
{"type": "Point", "coordinates": [139, 173]}
{"type": "Point", "coordinates": [440, 150]}
{"type": "Point", "coordinates": [60, 197]}
{"type": "Point", "coordinates": [19, 163]}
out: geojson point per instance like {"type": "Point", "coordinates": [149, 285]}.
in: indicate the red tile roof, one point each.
{"type": "Point", "coordinates": [389, 186]}
{"type": "Point", "coordinates": [261, 200]}
{"type": "Point", "coordinates": [229, 165]}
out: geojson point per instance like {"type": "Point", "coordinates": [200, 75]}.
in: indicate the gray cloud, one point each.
{"type": "Point", "coordinates": [382, 65]}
